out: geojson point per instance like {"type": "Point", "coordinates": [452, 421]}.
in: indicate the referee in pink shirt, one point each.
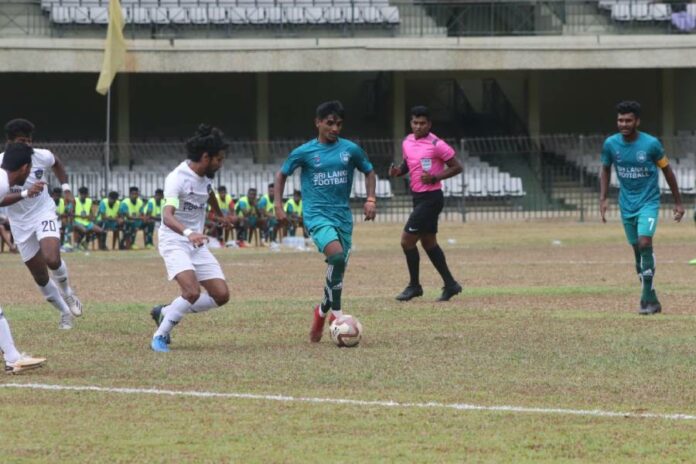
{"type": "Point", "coordinates": [428, 160]}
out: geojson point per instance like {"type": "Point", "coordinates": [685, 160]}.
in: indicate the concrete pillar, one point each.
{"type": "Point", "coordinates": [262, 119]}
{"type": "Point", "coordinates": [121, 117]}
{"type": "Point", "coordinates": [534, 105]}
{"type": "Point", "coordinates": [668, 103]}
{"type": "Point", "coordinates": [398, 111]}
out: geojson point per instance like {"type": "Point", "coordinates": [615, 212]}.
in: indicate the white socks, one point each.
{"type": "Point", "coordinates": [172, 315]}
{"type": "Point", "coordinates": [52, 294]}
{"type": "Point", "coordinates": [204, 303]}
{"type": "Point", "coordinates": [337, 314]}
{"type": "Point", "coordinates": [60, 275]}
{"type": "Point", "coordinates": [6, 343]}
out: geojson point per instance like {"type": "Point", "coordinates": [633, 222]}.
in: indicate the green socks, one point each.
{"type": "Point", "coordinates": [647, 272]}
{"type": "Point", "coordinates": [636, 252]}
{"type": "Point", "coordinates": [334, 283]}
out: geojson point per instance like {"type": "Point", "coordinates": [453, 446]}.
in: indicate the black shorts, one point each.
{"type": "Point", "coordinates": [426, 210]}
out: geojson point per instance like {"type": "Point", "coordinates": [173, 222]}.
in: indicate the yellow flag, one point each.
{"type": "Point", "coordinates": [115, 49]}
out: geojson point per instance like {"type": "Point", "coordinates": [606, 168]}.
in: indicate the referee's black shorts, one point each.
{"type": "Point", "coordinates": [426, 211]}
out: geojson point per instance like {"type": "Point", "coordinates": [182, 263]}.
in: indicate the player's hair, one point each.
{"type": "Point", "coordinates": [208, 139]}
{"type": "Point", "coordinates": [113, 195]}
{"type": "Point", "coordinates": [133, 189]}
{"type": "Point", "coordinates": [222, 188]}
{"type": "Point", "coordinates": [16, 156]}
{"type": "Point", "coordinates": [326, 109]}
{"type": "Point", "coordinates": [252, 189]}
{"type": "Point", "coordinates": [272, 184]}
{"type": "Point", "coordinates": [297, 192]}
{"type": "Point", "coordinates": [160, 191]}
{"type": "Point", "coordinates": [83, 190]}
{"type": "Point", "coordinates": [420, 111]}
{"type": "Point", "coordinates": [628, 106]}
{"type": "Point", "coordinates": [18, 128]}
{"type": "Point", "coordinates": [57, 190]}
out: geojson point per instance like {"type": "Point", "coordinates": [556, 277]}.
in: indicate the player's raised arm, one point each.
{"type": "Point", "coordinates": [674, 187]}
{"type": "Point", "coordinates": [278, 188]}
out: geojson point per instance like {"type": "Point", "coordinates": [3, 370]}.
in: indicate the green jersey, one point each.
{"type": "Point", "coordinates": [636, 164]}
{"type": "Point", "coordinates": [326, 180]}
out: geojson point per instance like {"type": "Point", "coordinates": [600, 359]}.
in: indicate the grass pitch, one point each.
{"type": "Point", "coordinates": [547, 320]}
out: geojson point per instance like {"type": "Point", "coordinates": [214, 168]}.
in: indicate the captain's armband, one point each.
{"type": "Point", "coordinates": [662, 162]}
{"type": "Point", "coordinates": [171, 202]}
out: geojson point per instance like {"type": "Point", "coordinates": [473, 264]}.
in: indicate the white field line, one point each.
{"type": "Point", "coordinates": [350, 402]}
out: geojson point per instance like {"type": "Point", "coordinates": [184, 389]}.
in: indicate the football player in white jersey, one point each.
{"type": "Point", "coordinates": [36, 228]}
{"type": "Point", "coordinates": [14, 170]}
{"type": "Point", "coordinates": [188, 190]}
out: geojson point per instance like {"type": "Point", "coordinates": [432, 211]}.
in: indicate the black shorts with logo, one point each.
{"type": "Point", "coordinates": [426, 210]}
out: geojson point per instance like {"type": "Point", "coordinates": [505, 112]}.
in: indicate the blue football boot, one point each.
{"type": "Point", "coordinates": [159, 344]}
{"type": "Point", "coordinates": [156, 313]}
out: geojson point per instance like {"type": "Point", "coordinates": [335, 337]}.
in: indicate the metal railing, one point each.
{"type": "Point", "coordinates": [555, 176]}
{"type": "Point", "coordinates": [415, 18]}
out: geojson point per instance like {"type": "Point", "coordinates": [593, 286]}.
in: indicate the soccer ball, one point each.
{"type": "Point", "coordinates": [346, 331]}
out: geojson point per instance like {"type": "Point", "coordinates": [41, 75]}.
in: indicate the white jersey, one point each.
{"type": "Point", "coordinates": [29, 210]}
{"type": "Point", "coordinates": [190, 192]}
{"type": "Point", "coordinates": [4, 184]}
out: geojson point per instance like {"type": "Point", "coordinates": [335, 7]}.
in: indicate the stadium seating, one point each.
{"type": "Point", "coordinates": [221, 12]}
{"type": "Point", "coordinates": [683, 164]}
{"type": "Point", "coordinates": [638, 11]}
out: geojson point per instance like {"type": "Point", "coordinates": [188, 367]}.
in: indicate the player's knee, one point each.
{"type": "Point", "coordinates": [644, 242]}
{"type": "Point", "coordinates": [338, 261]}
{"type": "Point", "coordinates": [429, 243]}
{"type": "Point", "coordinates": [191, 294]}
{"type": "Point", "coordinates": [407, 243]}
{"type": "Point", "coordinates": [53, 261]}
{"type": "Point", "coordinates": [221, 297]}
{"type": "Point", "coordinates": [41, 279]}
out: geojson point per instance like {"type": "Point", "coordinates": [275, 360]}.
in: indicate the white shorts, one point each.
{"type": "Point", "coordinates": [27, 237]}
{"type": "Point", "coordinates": [180, 256]}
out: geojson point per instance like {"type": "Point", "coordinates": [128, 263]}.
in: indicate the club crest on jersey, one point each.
{"type": "Point", "coordinates": [641, 157]}
{"type": "Point", "coordinates": [317, 161]}
{"type": "Point", "coordinates": [39, 173]}
{"type": "Point", "coordinates": [345, 157]}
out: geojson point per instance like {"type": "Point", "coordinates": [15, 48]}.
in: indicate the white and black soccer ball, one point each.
{"type": "Point", "coordinates": [346, 331]}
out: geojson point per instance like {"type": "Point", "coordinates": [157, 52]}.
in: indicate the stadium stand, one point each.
{"type": "Point", "coordinates": [221, 12]}
{"type": "Point", "coordinates": [479, 178]}
{"type": "Point", "coordinates": [683, 161]}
